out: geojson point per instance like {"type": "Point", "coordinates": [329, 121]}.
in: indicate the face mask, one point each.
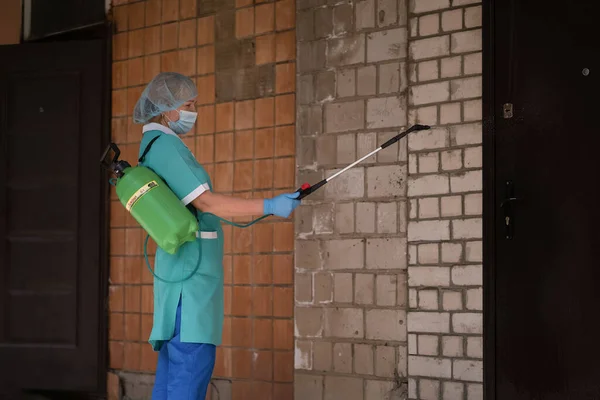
{"type": "Point", "coordinates": [185, 123]}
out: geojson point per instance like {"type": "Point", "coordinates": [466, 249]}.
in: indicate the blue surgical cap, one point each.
{"type": "Point", "coordinates": [166, 92]}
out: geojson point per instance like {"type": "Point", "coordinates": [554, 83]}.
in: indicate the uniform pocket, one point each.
{"type": "Point", "coordinates": [212, 253]}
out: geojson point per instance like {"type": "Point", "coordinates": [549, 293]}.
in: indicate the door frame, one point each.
{"type": "Point", "coordinates": [489, 113]}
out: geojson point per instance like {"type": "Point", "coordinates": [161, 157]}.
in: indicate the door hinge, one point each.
{"type": "Point", "coordinates": [508, 110]}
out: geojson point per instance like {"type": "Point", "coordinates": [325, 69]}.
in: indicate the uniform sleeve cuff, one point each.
{"type": "Point", "coordinates": [195, 193]}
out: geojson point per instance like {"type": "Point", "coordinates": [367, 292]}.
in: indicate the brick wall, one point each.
{"type": "Point", "coordinates": [350, 279]}
{"type": "Point", "coordinates": [242, 57]}
{"type": "Point", "coordinates": [367, 69]}
{"type": "Point", "coordinates": [444, 189]}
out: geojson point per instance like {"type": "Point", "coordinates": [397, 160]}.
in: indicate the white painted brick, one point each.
{"type": "Point", "coordinates": [466, 182]}
{"type": "Point", "coordinates": [386, 324]}
{"type": "Point", "coordinates": [466, 88]}
{"type": "Point", "coordinates": [472, 110]}
{"type": "Point", "coordinates": [428, 230]}
{"type": "Point", "coordinates": [450, 113]}
{"type": "Point", "coordinates": [474, 252]}
{"type": "Point", "coordinates": [474, 391]}
{"type": "Point", "coordinates": [364, 288]}
{"type": "Point", "coordinates": [413, 164]}
{"type": "Point", "coordinates": [344, 116]}
{"type": "Point", "coordinates": [414, 27]}
{"type": "Point", "coordinates": [342, 357]}
{"type": "Point", "coordinates": [365, 14]}
{"type": "Point", "coordinates": [474, 299]}
{"type": "Point", "coordinates": [452, 301]}
{"type": "Point", "coordinates": [387, 216]}
{"type": "Point", "coordinates": [429, 366]}
{"type": "Point", "coordinates": [428, 70]}
{"type": "Point", "coordinates": [342, 288]}
{"type": "Point", "coordinates": [472, 63]}
{"type": "Point", "coordinates": [473, 157]}
{"type": "Point", "coordinates": [452, 20]}
{"type": "Point", "coordinates": [438, 46]}
{"type": "Point", "coordinates": [366, 143]}
{"type": "Point", "coordinates": [428, 185]}
{"type": "Point", "coordinates": [322, 356]}
{"type": "Point", "coordinates": [348, 185]}
{"type": "Point", "coordinates": [346, 149]}
{"type": "Point", "coordinates": [412, 255]}
{"type": "Point", "coordinates": [474, 204]}
{"type": "Point", "coordinates": [426, 115]}
{"type": "Point", "coordinates": [468, 370]}
{"type": "Point", "coordinates": [344, 218]}
{"type": "Point", "coordinates": [451, 67]}
{"type": "Point", "coordinates": [323, 288]}
{"type": "Point", "coordinates": [363, 359]}
{"type": "Point", "coordinates": [430, 93]}
{"type": "Point", "coordinates": [402, 357]}
{"type": "Point", "coordinates": [451, 160]}
{"type": "Point", "coordinates": [303, 354]}
{"type": "Point", "coordinates": [386, 45]}
{"type": "Point", "coordinates": [344, 387]}
{"type": "Point", "coordinates": [346, 82]}
{"type": "Point", "coordinates": [421, 6]}
{"type": "Point", "coordinates": [429, 389]}
{"type": "Point", "coordinates": [466, 134]}
{"type": "Point", "coordinates": [344, 322]}
{"type": "Point", "coordinates": [367, 79]}
{"type": "Point", "coordinates": [386, 111]}
{"type": "Point", "coordinates": [452, 391]}
{"type": "Point", "coordinates": [429, 162]}
{"type": "Point", "coordinates": [386, 253]}
{"type": "Point", "coordinates": [428, 300]}
{"type": "Point", "coordinates": [343, 254]}
{"type": "Point", "coordinates": [451, 206]}
{"type": "Point", "coordinates": [385, 360]}
{"type": "Point", "coordinates": [452, 346]}
{"type": "Point", "coordinates": [428, 322]}
{"type": "Point", "coordinates": [465, 42]}
{"type": "Point", "coordinates": [386, 289]}
{"type": "Point", "coordinates": [468, 275]}
{"type": "Point", "coordinates": [467, 228]}
{"type": "Point", "coordinates": [428, 345]}
{"type": "Point", "coordinates": [451, 252]}
{"type": "Point", "coordinates": [323, 219]}
{"type": "Point", "coordinates": [379, 389]}
{"type": "Point", "coordinates": [467, 323]}
{"type": "Point", "coordinates": [475, 347]}
{"type": "Point", "coordinates": [389, 77]}
{"type": "Point", "coordinates": [412, 298]}
{"type": "Point", "coordinates": [473, 17]}
{"type": "Point", "coordinates": [365, 217]}
{"type": "Point", "coordinates": [402, 289]}
{"type": "Point", "coordinates": [428, 253]}
{"type": "Point", "coordinates": [434, 138]}
{"type": "Point", "coordinates": [412, 344]}
{"type": "Point", "coordinates": [428, 276]}
{"type": "Point", "coordinates": [429, 24]}
{"type": "Point", "coordinates": [412, 73]}
{"type": "Point", "coordinates": [345, 51]}
{"type": "Point", "coordinates": [386, 181]}
{"type": "Point", "coordinates": [412, 388]}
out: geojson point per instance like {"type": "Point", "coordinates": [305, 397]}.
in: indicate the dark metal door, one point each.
{"type": "Point", "coordinates": [542, 213]}
{"type": "Point", "coordinates": [52, 126]}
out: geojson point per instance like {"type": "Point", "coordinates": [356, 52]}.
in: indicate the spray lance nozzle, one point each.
{"type": "Point", "coordinates": [307, 189]}
{"type": "Point", "coordinates": [115, 165]}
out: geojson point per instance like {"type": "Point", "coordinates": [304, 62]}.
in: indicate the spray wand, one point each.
{"type": "Point", "coordinates": [307, 189]}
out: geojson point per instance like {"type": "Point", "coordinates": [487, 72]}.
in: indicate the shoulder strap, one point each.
{"type": "Point", "coordinates": [147, 149]}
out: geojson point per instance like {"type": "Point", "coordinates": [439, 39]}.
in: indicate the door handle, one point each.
{"type": "Point", "coordinates": [507, 209]}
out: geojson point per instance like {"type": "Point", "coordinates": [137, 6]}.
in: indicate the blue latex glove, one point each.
{"type": "Point", "coordinates": [282, 205]}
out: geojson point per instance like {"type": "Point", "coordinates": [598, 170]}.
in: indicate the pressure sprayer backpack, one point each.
{"type": "Point", "coordinates": [163, 216]}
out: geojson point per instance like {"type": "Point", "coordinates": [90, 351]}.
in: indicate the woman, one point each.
{"type": "Point", "coordinates": [188, 316]}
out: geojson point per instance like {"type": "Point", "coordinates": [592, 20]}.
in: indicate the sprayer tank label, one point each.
{"type": "Point", "coordinates": [140, 192]}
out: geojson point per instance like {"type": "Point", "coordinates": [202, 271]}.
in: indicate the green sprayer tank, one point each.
{"type": "Point", "coordinates": [152, 203]}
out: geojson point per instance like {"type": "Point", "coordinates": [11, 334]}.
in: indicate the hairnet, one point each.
{"type": "Point", "coordinates": [166, 92]}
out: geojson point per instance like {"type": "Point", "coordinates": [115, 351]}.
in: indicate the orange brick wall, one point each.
{"type": "Point", "coordinates": [246, 142]}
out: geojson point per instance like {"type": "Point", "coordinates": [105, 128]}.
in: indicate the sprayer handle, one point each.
{"type": "Point", "coordinates": [117, 151]}
{"type": "Point", "coordinates": [307, 189]}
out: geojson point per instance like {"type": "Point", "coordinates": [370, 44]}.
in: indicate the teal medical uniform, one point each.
{"type": "Point", "coordinates": [201, 296]}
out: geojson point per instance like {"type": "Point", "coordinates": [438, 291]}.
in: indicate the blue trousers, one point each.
{"type": "Point", "coordinates": [184, 369]}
